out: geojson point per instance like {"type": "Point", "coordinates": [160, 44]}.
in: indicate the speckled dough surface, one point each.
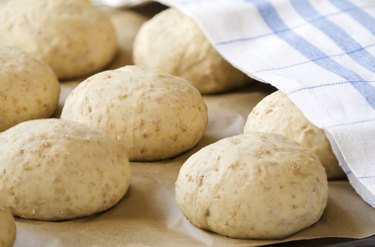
{"type": "Point", "coordinates": [55, 169]}
{"type": "Point", "coordinates": [256, 185]}
{"type": "Point", "coordinates": [155, 115]}
{"type": "Point", "coordinates": [7, 225]}
{"type": "Point", "coordinates": [28, 88]}
{"type": "Point", "coordinates": [71, 36]}
{"type": "Point", "coordinates": [277, 114]}
{"type": "Point", "coordinates": [173, 43]}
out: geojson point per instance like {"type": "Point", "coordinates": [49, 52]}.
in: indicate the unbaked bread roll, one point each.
{"type": "Point", "coordinates": [277, 114]}
{"type": "Point", "coordinates": [71, 36]}
{"type": "Point", "coordinates": [7, 225]}
{"type": "Point", "coordinates": [173, 43]}
{"type": "Point", "coordinates": [53, 169]}
{"type": "Point", "coordinates": [28, 88]}
{"type": "Point", "coordinates": [155, 115]}
{"type": "Point", "coordinates": [256, 185]}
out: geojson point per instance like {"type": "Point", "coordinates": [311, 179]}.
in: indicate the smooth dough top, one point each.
{"type": "Point", "coordinates": [256, 185]}
{"type": "Point", "coordinates": [53, 169]}
{"type": "Point", "coordinates": [173, 43]}
{"type": "Point", "coordinates": [28, 88]}
{"type": "Point", "coordinates": [155, 115]}
{"type": "Point", "coordinates": [276, 113]}
{"type": "Point", "coordinates": [8, 224]}
{"type": "Point", "coordinates": [71, 36]}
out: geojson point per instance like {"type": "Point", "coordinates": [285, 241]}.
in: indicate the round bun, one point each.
{"type": "Point", "coordinates": [54, 169]}
{"type": "Point", "coordinates": [256, 185]}
{"type": "Point", "coordinates": [71, 36]}
{"type": "Point", "coordinates": [173, 43]}
{"type": "Point", "coordinates": [28, 88]}
{"type": "Point", "coordinates": [277, 114]}
{"type": "Point", "coordinates": [155, 115]}
{"type": "Point", "coordinates": [8, 225]}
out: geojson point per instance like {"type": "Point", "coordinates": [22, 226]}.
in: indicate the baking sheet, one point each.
{"type": "Point", "coordinates": [148, 214]}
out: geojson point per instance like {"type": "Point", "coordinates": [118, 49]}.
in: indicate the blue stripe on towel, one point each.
{"type": "Point", "coordinates": [274, 22]}
{"type": "Point", "coordinates": [297, 90]}
{"type": "Point", "coordinates": [342, 11]}
{"type": "Point", "coordinates": [336, 34]}
{"type": "Point", "coordinates": [358, 14]}
{"type": "Point", "coordinates": [310, 61]}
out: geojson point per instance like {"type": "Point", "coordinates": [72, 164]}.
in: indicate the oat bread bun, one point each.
{"type": "Point", "coordinates": [173, 43]}
{"type": "Point", "coordinates": [277, 114]}
{"type": "Point", "coordinates": [71, 36]}
{"type": "Point", "coordinates": [7, 225]}
{"type": "Point", "coordinates": [53, 169]}
{"type": "Point", "coordinates": [28, 88]}
{"type": "Point", "coordinates": [155, 115]}
{"type": "Point", "coordinates": [256, 185]}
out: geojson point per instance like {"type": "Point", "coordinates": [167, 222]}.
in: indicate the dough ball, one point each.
{"type": "Point", "coordinates": [28, 88]}
{"type": "Point", "coordinates": [8, 225]}
{"type": "Point", "coordinates": [155, 115]}
{"type": "Point", "coordinates": [53, 169]}
{"type": "Point", "coordinates": [256, 185]}
{"type": "Point", "coordinates": [71, 36]}
{"type": "Point", "coordinates": [173, 43]}
{"type": "Point", "coordinates": [277, 114]}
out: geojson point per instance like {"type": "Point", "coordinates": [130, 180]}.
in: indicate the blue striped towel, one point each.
{"type": "Point", "coordinates": [321, 53]}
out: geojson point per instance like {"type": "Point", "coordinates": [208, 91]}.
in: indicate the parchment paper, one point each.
{"type": "Point", "coordinates": [149, 216]}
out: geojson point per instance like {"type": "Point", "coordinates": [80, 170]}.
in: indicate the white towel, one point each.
{"type": "Point", "coordinates": [321, 53]}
